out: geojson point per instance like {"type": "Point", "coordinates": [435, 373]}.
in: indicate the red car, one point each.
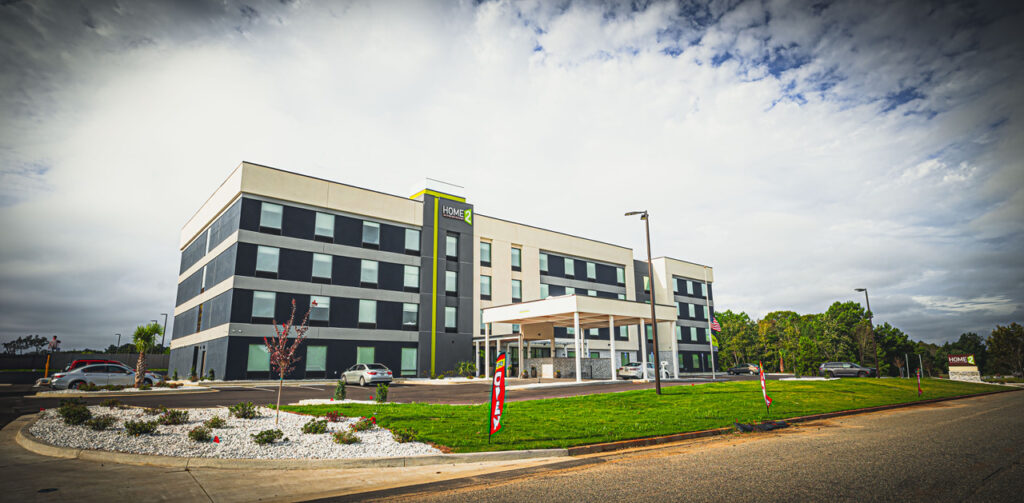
{"type": "Point", "coordinates": [81, 363]}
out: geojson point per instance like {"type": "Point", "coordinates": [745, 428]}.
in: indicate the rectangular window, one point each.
{"type": "Point", "coordinates": [367, 313]}
{"type": "Point", "coordinates": [591, 270]}
{"type": "Point", "coordinates": [485, 287]}
{"type": "Point", "coordinates": [316, 358]}
{"type": "Point", "coordinates": [324, 226]}
{"type": "Point", "coordinates": [451, 246]}
{"type": "Point", "coordinates": [543, 262]}
{"type": "Point", "coordinates": [570, 268]}
{"type": "Point", "coordinates": [263, 304]}
{"type": "Point", "coordinates": [679, 310]}
{"type": "Point", "coordinates": [259, 359]}
{"type": "Point", "coordinates": [692, 311]}
{"type": "Point", "coordinates": [570, 290]}
{"type": "Point", "coordinates": [620, 276]}
{"type": "Point", "coordinates": [365, 354]}
{"type": "Point", "coordinates": [485, 253]}
{"type": "Point", "coordinates": [543, 291]}
{"type": "Point", "coordinates": [592, 331]}
{"type": "Point", "coordinates": [647, 284]}
{"type": "Point", "coordinates": [267, 258]}
{"type": "Point", "coordinates": [410, 315]}
{"type": "Point", "coordinates": [693, 334]}
{"type": "Point", "coordinates": [679, 333]}
{"type": "Point", "coordinates": [622, 296]}
{"type": "Point", "coordinates": [451, 282]}
{"type": "Point", "coordinates": [592, 293]}
{"type": "Point", "coordinates": [319, 308]}
{"type": "Point", "coordinates": [322, 265]}
{"type": "Point", "coordinates": [371, 233]}
{"type": "Point", "coordinates": [570, 331]}
{"type": "Point", "coordinates": [696, 362]}
{"type": "Point", "coordinates": [623, 332]}
{"type": "Point", "coordinates": [517, 290]}
{"type": "Point", "coordinates": [515, 328]}
{"type": "Point", "coordinates": [412, 240]}
{"type": "Point", "coordinates": [624, 358]}
{"type": "Point", "coordinates": [517, 259]}
{"type": "Point", "coordinates": [409, 362]}
{"type": "Point", "coordinates": [570, 353]}
{"type": "Point", "coordinates": [702, 312]}
{"type": "Point", "coordinates": [412, 277]}
{"type": "Point", "coordinates": [595, 354]}
{"type": "Point", "coordinates": [689, 287]}
{"type": "Point", "coordinates": [483, 326]}
{"type": "Point", "coordinates": [450, 319]}
{"type": "Point", "coordinates": [368, 272]}
{"type": "Point", "coordinates": [270, 215]}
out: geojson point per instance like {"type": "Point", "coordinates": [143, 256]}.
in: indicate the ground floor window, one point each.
{"type": "Point", "coordinates": [696, 361]}
{"type": "Point", "coordinates": [540, 353]}
{"type": "Point", "coordinates": [316, 359]}
{"type": "Point", "coordinates": [595, 354]}
{"type": "Point", "coordinates": [259, 359]}
{"type": "Point", "coordinates": [408, 361]}
{"type": "Point", "coordinates": [624, 358]}
{"type": "Point", "coordinates": [569, 353]}
{"type": "Point", "coordinates": [365, 354]}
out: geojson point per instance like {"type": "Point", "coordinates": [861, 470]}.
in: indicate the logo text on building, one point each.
{"type": "Point", "coordinates": [464, 214]}
{"type": "Point", "coordinates": [961, 360]}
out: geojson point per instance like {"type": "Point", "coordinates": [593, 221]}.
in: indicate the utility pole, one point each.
{"type": "Point", "coordinates": [871, 324]}
{"type": "Point", "coordinates": [654, 319]}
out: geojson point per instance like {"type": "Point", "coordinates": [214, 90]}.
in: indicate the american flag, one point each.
{"type": "Point", "coordinates": [715, 326]}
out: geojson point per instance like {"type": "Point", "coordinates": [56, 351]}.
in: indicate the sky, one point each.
{"type": "Point", "coordinates": [802, 149]}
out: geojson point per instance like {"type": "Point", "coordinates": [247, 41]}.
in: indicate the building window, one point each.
{"type": "Point", "coordinates": [259, 359]}
{"type": "Point", "coordinates": [679, 310]}
{"type": "Point", "coordinates": [591, 293]}
{"type": "Point", "coordinates": [543, 291]}
{"type": "Point", "coordinates": [324, 227]}
{"type": "Point", "coordinates": [409, 362]}
{"type": "Point", "coordinates": [410, 316]}
{"type": "Point", "coordinates": [647, 284]}
{"type": "Point", "coordinates": [692, 311]}
{"type": "Point", "coordinates": [451, 246]}
{"type": "Point", "coordinates": [591, 270]}
{"type": "Point", "coordinates": [270, 217]}
{"type": "Point", "coordinates": [622, 296]}
{"type": "Point", "coordinates": [485, 287]}
{"type": "Point", "coordinates": [679, 333]}
{"type": "Point", "coordinates": [620, 276]}
{"type": "Point", "coordinates": [263, 304]}
{"type": "Point", "coordinates": [689, 287]}
{"type": "Point", "coordinates": [624, 358]}
{"type": "Point", "coordinates": [322, 265]}
{"type": "Point", "coordinates": [693, 334]}
{"type": "Point", "coordinates": [592, 332]}
{"type": "Point", "coordinates": [319, 308]}
{"type": "Point", "coordinates": [515, 328]}
{"type": "Point", "coordinates": [371, 234]}
{"type": "Point", "coordinates": [316, 358]}
{"type": "Point", "coordinates": [451, 282]}
{"type": "Point", "coordinates": [412, 278]}
{"type": "Point", "coordinates": [696, 361]}
{"type": "Point", "coordinates": [365, 354]}
{"type": "Point", "coordinates": [570, 353]}
{"type": "Point", "coordinates": [412, 240]}
{"type": "Point", "coordinates": [702, 312]}
{"type": "Point", "coordinates": [517, 290]}
{"type": "Point", "coordinates": [623, 332]}
{"type": "Point", "coordinates": [367, 313]}
{"type": "Point", "coordinates": [570, 331]}
{"type": "Point", "coordinates": [544, 262]}
{"type": "Point", "coordinates": [450, 319]}
{"type": "Point", "coordinates": [266, 261]}
{"type": "Point", "coordinates": [595, 354]}
{"type": "Point", "coordinates": [517, 259]}
{"type": "Point", "coordinates": [485, 254]}
{"type": "Point", "coordinates": [570, 268]}
{"type": "Point", "coordinates": [368, 272]}
{"type": "Point", "coordinates": [570, 290]}
{"type": "Point", "coordinates": [483, 326]}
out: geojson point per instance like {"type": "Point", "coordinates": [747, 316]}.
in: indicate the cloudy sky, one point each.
{"type": "Point", "coordinates": [801, 148]}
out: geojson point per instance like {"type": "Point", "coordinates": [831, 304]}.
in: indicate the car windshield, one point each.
{"type": "Point", "coordinates": [376, 366]}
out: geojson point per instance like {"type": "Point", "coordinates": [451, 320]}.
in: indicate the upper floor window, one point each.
{"type": "Point", "coordinates": [543, 291]}
{"type": "Point", "coordinates": [570, 290]}
{"type": "Point", "coordinates": [517, 259]}
{"type": "Point", "coordinates": [270, 216]}
{"type": "Point", "coordinates": [412, 240]}
{"type": "Point", "coordinates": [412, 278]}
{"type": "Point", "coordinates": [324, 227]}
{"type": "Point", "coordinates": [410, 315]}
{"type": "Point", "coordinates": [647, 284]}
{"type": "Point", "coordinates": [485, 287]}
{"type": "Point", "coordinates": [679, 333]}
{"type": "Point", "coordinates": [267, 260]}
{"type": "Point", "coordinates": [693, 334]}
{"type": "Point", "coordinates": [485, 254]}
{"type": "Point", "coordinates": [451, 282]}
{"type": "Point", "coordinates": [451, 246]}
{"type": "Point", "coordinates": [319, 308]}
{"type": "Point", "coordinates": [570, 268]}
{"type": "Point", "coordinates": [591, 293]}
{"type": "Point", "coordinates": [620, 276]}
{"type": "Point", "coordinates": [622, 296]}
{"type": "Point", "coordinates": [517, 290]}
{"type": "Point", "coordinates": [367, 313]}
{"type": "Point", "coordinates": [692, 308]}
{"type": "Point", "coordinates": [450, 319]}
{"type": "Point", "coordinates": [368, 272]}
{"type": "Point", "coordinates": [689, 287]}
{"type": "Point", "coordinates": [543, 262]}
{"type": "Point", "coordinates": [263, 304]}
{"type": "Point", "coordinates": [591, 270]}
{"type": "Point", "coordinates": [322, 265]}
{"type": "Point", "coordinates": [371, 234]}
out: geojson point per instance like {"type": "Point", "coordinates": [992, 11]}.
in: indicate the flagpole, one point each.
{"type": "Point", "coordinates": [711, 333]}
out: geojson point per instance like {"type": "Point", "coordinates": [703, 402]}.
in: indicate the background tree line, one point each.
{"type": "Point", "coordinates": [844, 333]}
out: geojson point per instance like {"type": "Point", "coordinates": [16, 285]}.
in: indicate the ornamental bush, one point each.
{"type": "Point", "coordinates": [215, 422]}
{"type": "Point", "coordinates": [112, 403]}
{"type": "Point", "coordinates": [345, 437]}
{"type": "Point", "coordinates": [339, 390]}
{"type": "Point", "coordinates": [136, 428]}
{"type": "Point", "coordinates": [382, 393]}
{"type": "Point", "coordinates": [174, 416]}
{"type": "Point", "coordinates": [267, 436]}
{"type": "Point", "coordinates": [364, 423]}
{"type": "Point", "coordinates": [243, 410]}
{"type": "Point", "coordinates": [315, 427]}
{"type": "Point", "coordinates": [333, 416]}
{"type": "Point", "coordinates": [74, 412]}
{"type": "Point", "coordinates": [199, 434]}
{"type": "Point", "coordinates": [100, 423]}
{"type": "Point", "coordinates": [403, 435]}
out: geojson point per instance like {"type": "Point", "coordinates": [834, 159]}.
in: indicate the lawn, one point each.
{"type": "Point", "coordinates": [566, 422]}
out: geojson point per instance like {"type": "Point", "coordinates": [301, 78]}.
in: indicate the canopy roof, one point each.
{"type": "Point", "coordinates": [593, 312]}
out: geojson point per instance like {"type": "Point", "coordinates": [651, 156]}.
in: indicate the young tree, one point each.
{"type": "Point", "coordinates": [144, 337]}
{"type": "Point", "coordinates": [1006, 348]}
{"type": "Point", "coordinates": [282, 355]}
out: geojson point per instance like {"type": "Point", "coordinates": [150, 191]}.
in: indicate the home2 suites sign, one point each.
{"type": "Point", "coordinates": [464, 214]}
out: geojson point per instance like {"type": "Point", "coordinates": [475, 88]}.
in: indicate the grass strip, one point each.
{"type": "Point", "coordinates": [580, 420]}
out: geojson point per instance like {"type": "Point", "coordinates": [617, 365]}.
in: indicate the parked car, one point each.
{"type": "Point", "coordinates": [81, 363]}
{"type": "Point", "coordinates": [634, 370]}
{"type": "Point", "coordinates": [364, 373]}
{"type": "Point", "coordinates": [844, 369]}
{"type": "Point", "coordinates": [100, 375]}
{"type": "Point", "coordinates": [744, 368]}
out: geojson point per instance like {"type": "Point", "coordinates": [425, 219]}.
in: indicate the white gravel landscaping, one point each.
{"type": "Point", "coordinates": [57, 392]}
{"type": "Point", "coordinates": [235, 440]}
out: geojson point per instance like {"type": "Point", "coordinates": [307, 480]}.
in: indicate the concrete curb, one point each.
{"type": "Point", "coordinates": [87, 394]}
{"type": "Point", "coordinates": [29, 442]}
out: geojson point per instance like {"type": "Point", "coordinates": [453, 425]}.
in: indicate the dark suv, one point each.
{"type": "Point", "coordinates": [844, 369]}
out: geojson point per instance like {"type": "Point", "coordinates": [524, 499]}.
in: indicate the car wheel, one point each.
{"type": "Point", "coordinates": [831, 374]}
{"type": "Point", "coordinates": [76, 385]}
{"type": "Point", "coordinates": [362, 382]}
{"type": "Point", "coordinates": [862, 374]}
{"type": "Point", "coordinates": [148, 382]}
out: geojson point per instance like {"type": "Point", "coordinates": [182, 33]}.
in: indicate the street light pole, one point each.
{"type": "Point", "coordinates": [118, 348]}
{"type": "Point", "coordinates": [654, 320]}
{"type": "Point", "coordinates": [871, 324]}
{"type": "Point", "coordinates": [163, 333]}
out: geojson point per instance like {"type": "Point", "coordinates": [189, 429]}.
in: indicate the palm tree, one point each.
{"type": "Point", "coordinates": [145, 339]}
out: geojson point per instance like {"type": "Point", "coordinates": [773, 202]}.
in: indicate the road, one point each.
{"type": "Point", "coordinates": [964, 450]}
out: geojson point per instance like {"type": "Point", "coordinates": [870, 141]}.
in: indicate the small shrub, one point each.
{"type": "Point", "coordinates": [100, 423]}
{"type": "Point", "coordinates": [215, 422]}
{"type": "Point", "coordinates": [403, 435]}
{"type": "Point", "coordinates": [267, 436]}
{"type": "Point", "coordinates": [465, 368]}
{"type": "Point", "coordinates": [333, 416]}
{"type": "Point", "coordinates": [174, 377]}
{"type": "Point", "coordinates": [382, 393]}
{"type": "Point", "coordinates": [345, 437]}
{"type": "Point", "coordinates": [113, 403]}
{"type": "Point", "coordinates": [315, 427]}
{"type": "Point", "coordinates": [112, 387]}
{"type": "Point", "coordinates": [199, 434]}
{"type": "Point", "coordinates": [145, 387]}
{"type": "Point", "coordinates": [192, 376]}
{"type": "Point", "coordinates": [136, 428]}
{"type": "Point", "coordinates": [88, 387]}
{"type": "Point", "coordinates": [153, 411]}
{"type": "Point", "coordinates": [211, 375]}
{"type": "Point", "coordinates": [243, 410]}
{"type": "Point", "coordinates": [74, 412]}
{"type": "Point", "coordinates": [339, 390]}
{"type": "Point", "coordinates": [174, 416]}
{"type": "Point", "coordinates": [161, 384]}
{"type": "Point", "coordinates": [364, 423]}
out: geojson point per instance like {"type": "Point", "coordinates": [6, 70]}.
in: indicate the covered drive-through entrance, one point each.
{"type": "Point", "coordinates": [537, 320]}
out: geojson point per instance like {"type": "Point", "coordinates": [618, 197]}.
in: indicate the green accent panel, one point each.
{"type": "Point", "coordinates": [316, 358]}
{"type": "Point", "coordinates": [259, 359]}
{"type": "Point", "coordinates": [365, 354]}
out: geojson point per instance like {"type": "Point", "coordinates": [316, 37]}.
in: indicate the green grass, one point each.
{"type": "Point", "coordinates": [566, 422]}
{"type": "Point", "coordinates": [1004, 380]}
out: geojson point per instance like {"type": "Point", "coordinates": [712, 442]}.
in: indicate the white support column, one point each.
{"type": "Point", "coordinates": [487, 350]}
{"type": "Point", "coordinates": [578, 336]}
{"type": "Point", "coordinates": [643, 349]}
{"type": "Point", "coordinates": [476, 355]}
{"type": "Point", "coordinates": [522, 356]}
{"type": "Point", "coordinates": [611, 342]}
{"type": "Point", "coordinates": [675, 352]}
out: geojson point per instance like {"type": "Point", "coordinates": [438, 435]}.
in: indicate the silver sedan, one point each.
{"type": "Point", "coordinates": [99, 375]}
{"type": "Point", "coordinates": [364, 373]}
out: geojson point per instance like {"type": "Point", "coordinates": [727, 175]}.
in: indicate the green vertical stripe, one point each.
{"type": "Point", "coordinates": [433, 296]}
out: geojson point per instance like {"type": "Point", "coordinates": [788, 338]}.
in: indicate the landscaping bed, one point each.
{"type": "Point", "coordinates": [235, 439]}
{"type": "Point", "coordinates": [581, 420]}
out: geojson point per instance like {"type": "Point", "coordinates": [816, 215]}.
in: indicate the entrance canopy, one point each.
{"type": "Point", "coordinates": [594, 312]}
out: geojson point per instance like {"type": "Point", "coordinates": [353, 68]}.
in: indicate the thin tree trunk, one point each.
{"type": "Point", "coordinates": [140, 369]}
{"type": "Point", "coordinates": [280, 384]}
